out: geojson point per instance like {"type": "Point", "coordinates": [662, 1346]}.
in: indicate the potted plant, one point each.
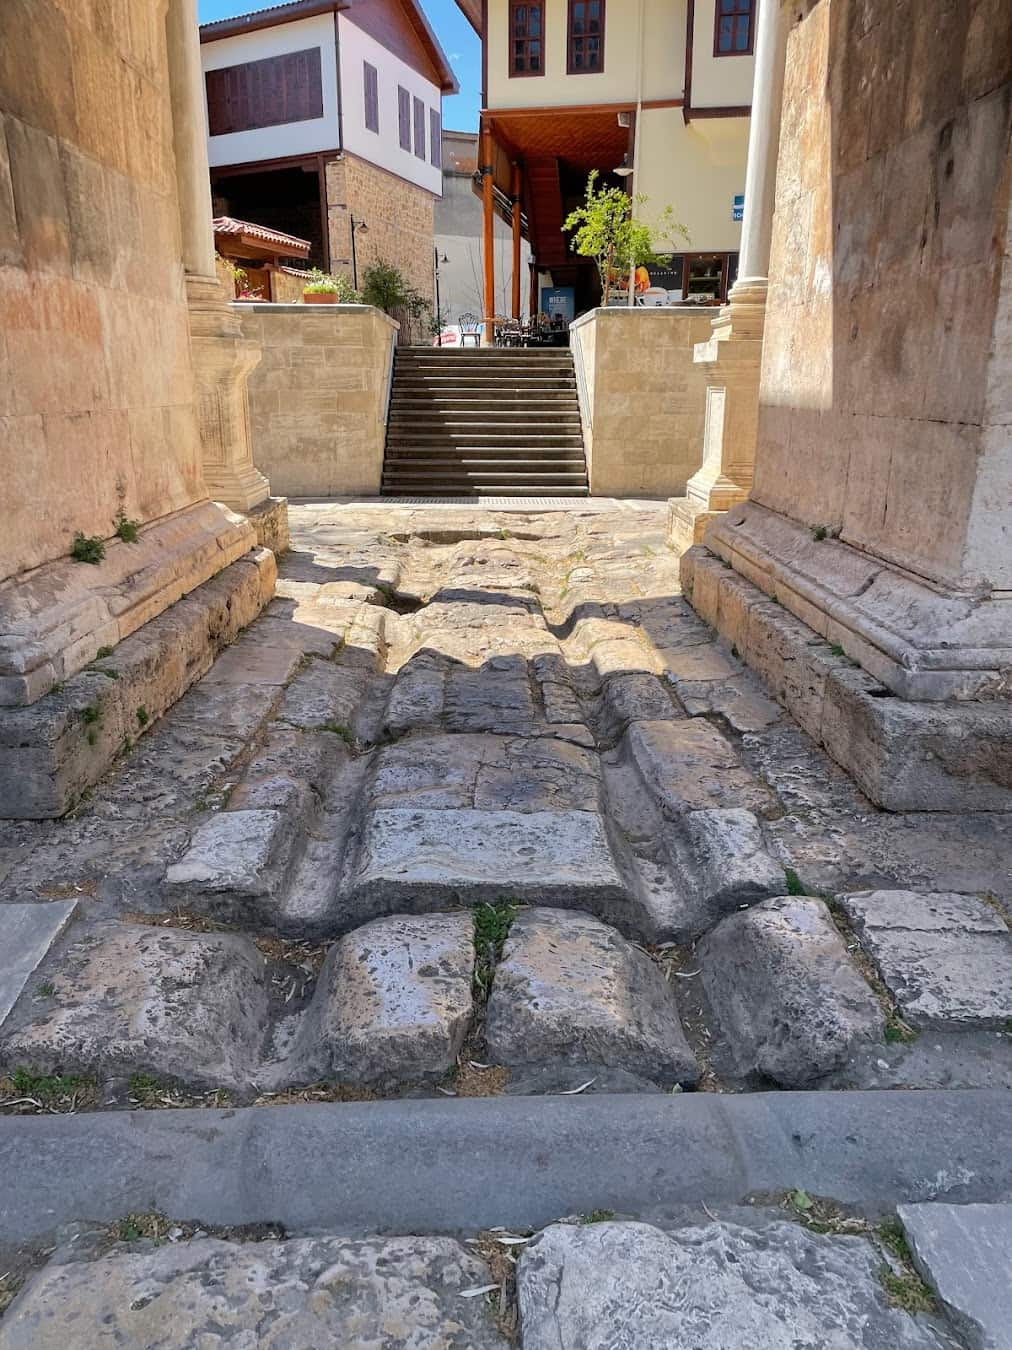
{"type": "Point", "coordinates": [322, 289]}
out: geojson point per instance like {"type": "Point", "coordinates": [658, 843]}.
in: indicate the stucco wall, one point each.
{"type": "Point", "coordinates": [697, 169]}
{"type": "Point", "coordinates": [643, 396]}
{"type": "Point", "coordinates": [96, 390]}
{"type": "Point", "coordinates": [318, 397]}
{"type": "Point", "coordinates": [884, 403]}
{"type": "Point", "coordinates": [717, 81]}
{"type": "Point", "coordinates": [293, 138]}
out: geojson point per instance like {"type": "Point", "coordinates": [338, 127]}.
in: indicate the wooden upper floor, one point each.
{"type": "Point", "coordinates": [565, 53]}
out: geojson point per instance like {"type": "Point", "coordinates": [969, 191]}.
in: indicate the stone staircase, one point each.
{"type": "Point", "coordinates": [484, 422]}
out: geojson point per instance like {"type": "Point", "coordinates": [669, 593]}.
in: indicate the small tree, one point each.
{"type": "Point", "coordinates": [606, 229]}
{"type": "Point", "coordinates": [385, 287]}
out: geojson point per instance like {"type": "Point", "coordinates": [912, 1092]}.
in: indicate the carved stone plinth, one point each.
{"type": "Point", "coordinates": [222, 361]}
{"type": "Point", "coordinates": [731, 358]}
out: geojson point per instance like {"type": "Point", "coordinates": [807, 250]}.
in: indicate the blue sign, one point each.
{"type": "Point", "coordinates": [559, 300]}
{"type": "Point", "coordinates": [738, 206]}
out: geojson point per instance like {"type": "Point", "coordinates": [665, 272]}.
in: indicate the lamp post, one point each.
{"type": "Point", "coordinates": [625, 169]}
{"type": "Point", "coordinates": [436, 261]}
{"type": "Point", "coordinates": [356, 225]}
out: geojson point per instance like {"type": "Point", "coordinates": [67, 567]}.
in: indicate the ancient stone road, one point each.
{"type": "Point", "coordinates": [480, 806]}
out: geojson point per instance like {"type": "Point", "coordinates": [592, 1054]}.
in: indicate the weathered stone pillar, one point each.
{"type": "Point", "coordinates": [868, 576]}
{"type": "Point", "coordinates": [222, 359]}
{"type": "Point", "coordinates": [731, 357]}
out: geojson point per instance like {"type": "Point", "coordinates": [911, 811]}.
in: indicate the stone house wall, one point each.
{"type": "Point", "coordinates": [643, 400]}
{"type": "Point", "coordinates": [318, 398]}
{"type": "Point", "coordinates": [884, 403]}
{"type": "Point", "coordinates": [96, 391]}
{"type": "Point", "coordinates": [400, 220]}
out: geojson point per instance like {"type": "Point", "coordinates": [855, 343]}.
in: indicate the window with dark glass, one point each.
{"type": "Point", "coordinates": [586, 36]}
{"type": "Point", "coordinates": [734, 34]}
{"type": "Point", "coordinates": [267, 93]}
{"type": "Point", "coordinates": [403, 118]}
{"type": "Point", "coordinates": [527, 38]}
{"type": "Point", "coordinates": [371, 85]}
{"type": "Point", "coordinates": [419, 128]}
{"type": "Point", "coordinates": [435, 139]}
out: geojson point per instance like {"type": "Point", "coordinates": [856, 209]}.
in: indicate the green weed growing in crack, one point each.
{"type": "Point", "coordinates": [492, 924]}
{"type": "Point", "coordinates": [794, 885]}
{"type": "Point", "coordinates": [45, 990]}
{"type": "Point", "coordinates": [902, 1285]}
{"type": "Point", "coordinates": [49, 1092]}
{"type": "Point", "coordinates": [103, 652]}
{"type": "Point", "coordinates": [819, 532]}
{"type": "Point", "coordinates": [88, 548]}
{"type": "Point", "coordinates": [597, 1216]}
{"type": "Point", "coordinates": [126, 529]}
{"type": "Point", "coordinates": [836, 650]}
{"type": "Point", "coordinates": [143, 716]}
{"type": "Point", "coordinates": [339, 729]}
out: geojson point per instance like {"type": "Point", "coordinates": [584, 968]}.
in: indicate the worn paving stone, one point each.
{"type": "Point", "coordinates": [689, 766]}
{"type": "Point", "coordinates": [630, 1286]}
{"type": "Point", "coordinates": [28, 932]}
{"type": "Point", "coordinates": [945, 958]}
{"type": "Point", "coordinates": [719, 863]}
{"type": "Point", "coordinates": [965, 1253]}
{"type": "Point", "coordinates": [487, 772]}
{"type": "Point", "coordinates": [570, 988]}
{"type": "Point", "coordinates": [739, 699]}
{"type": "Point", "coordinates": [787, 996]}
{"type": "Point", "coordinates": [411, 859]}
{"type": "Point", "coordinates": [393, 1002]}
{"type": "Point", "coordinates": [390, 1293]}
{"type": "Point", "coordinates": [128, 998]}
{"type": "Point", "coordinates": [323, 694]}
{"type": "Point", "coordinates": [236, 853]}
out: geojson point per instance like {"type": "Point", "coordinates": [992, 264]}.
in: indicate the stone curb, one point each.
{"type": "Point", "coordinates": [449, 1166]}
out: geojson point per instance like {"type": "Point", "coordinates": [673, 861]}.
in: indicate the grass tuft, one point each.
{"type": "Point", "coordinates": [794, 886]}
{"type": "Point", "coordinates": [492, 924]}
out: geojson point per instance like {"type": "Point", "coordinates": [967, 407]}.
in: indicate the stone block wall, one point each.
{"type": "Point", "coordinates": [643, 399]}
{"type": "Point", "coordinates": [885, 410]}
{"type": "Point", "coordinates": [318, 398]}
{"type": "Point", "coordinates": [400, 220]}
{"type": "Point", "coordinates": [96, 391]}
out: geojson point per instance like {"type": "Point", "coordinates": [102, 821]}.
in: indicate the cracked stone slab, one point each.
{"type": "Point", "coordinates": [570, 988]}
{"type": "Point", "coordinates": [395, 1293]}
{"type": "Point", "coordinates": [28, 932]}
{"type": "Point", "coordinates": [945, 958]}
{"type": "Point", "coordinates": [965, 1253]}
{"type": "Point", "coordinates": [411, 859]}
{"type": "Point", "coordinates": [128, 998]}
{"type": "Point", "coordinates": [689, 766]}
{"type": "Point", "coordinates": [487, 772]}
{"type": "Point", "coordinates": [393, 1002]}
{"type": "Point", "coordinates": [630, 1286]}
{"type": "Point", "coordinates": [785, 992]}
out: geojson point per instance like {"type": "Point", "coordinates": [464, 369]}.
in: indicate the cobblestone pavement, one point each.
{"type": "Point", "coordinates": [479, 806]}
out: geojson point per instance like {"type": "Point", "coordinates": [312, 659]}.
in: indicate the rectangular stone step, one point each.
{"type": "Point", "coordinates": [473, 490]}
{"type": "Point", "coordinates": [411, 861]}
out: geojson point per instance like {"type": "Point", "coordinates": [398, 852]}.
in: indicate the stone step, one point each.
{"type": "Point", "coordinates": [570, 992]}
{"type": "Point", "coordinates": [471, 439]}
{"type": "Point", "coordinates": [398, 465]}
{"type": "Point", "coordinates": [490, 419]}
{"type": "Point", "coordinates": [465, 490]}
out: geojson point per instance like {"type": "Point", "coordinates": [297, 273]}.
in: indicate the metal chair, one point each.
{"type": "Point", "coordinates": [470, 330]}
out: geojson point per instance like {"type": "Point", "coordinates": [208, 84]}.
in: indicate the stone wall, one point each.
{"type": "Point", "coordinates": [96, 390]}
{"type": "Point", "coordinates": [319, 395]}
{"type": "Point", "coordinates": [399, 217]}
{"type": "Point", "coordinates": [642, 397]}
{"type": "Point", "coordinates": [885, 404]}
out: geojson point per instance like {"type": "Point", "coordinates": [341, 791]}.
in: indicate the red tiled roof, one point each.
{"type": "Point", "coordinates": [285, 243]}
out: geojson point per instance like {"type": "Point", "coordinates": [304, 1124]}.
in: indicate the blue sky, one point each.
{"type": "Point", "coordinates": [460, 113]}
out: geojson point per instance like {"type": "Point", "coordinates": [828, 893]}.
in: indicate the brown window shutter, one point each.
{"type": "Point", "coordinates": [265, 93]}
{"type": "Point", "coordinates": [371, 85]}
